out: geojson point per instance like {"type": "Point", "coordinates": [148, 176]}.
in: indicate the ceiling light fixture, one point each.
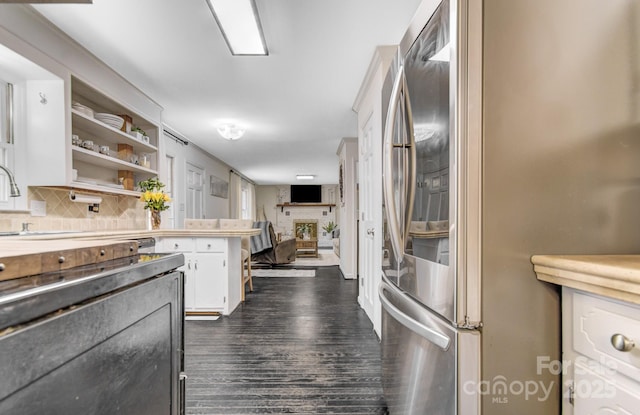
{"type": "Point", "coordinates": [240, 26]}
{"type": "Point", "coordinates": [305, 176]}
{"type": "Point", "coordinates": [230, 131]}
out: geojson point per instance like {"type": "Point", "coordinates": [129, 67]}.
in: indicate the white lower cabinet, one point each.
{"type": "Point", "coordinates": [601, 355]}
{"type": "Point", "coordinates": [210, 273]}
{"type": "Point", "coordinates": [209, 289]}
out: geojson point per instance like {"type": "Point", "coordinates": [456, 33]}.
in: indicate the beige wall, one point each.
{"type": "Point", "coordinates": [116, 212]}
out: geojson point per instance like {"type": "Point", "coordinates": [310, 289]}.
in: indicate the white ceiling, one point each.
{"type": "Point", "coordinates": [296, 102]}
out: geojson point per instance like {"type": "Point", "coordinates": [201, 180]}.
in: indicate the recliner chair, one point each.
{"type": "Point", "coordinates": [283, 252]}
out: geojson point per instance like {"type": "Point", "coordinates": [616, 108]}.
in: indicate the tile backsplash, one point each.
{"type": "Point", "coordinates": [116, 213]}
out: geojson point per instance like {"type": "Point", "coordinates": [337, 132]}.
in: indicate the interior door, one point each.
{"type": "Point", "coordinates": [195, 189]}
{"type": "Point", "coordinates": [370, 199]}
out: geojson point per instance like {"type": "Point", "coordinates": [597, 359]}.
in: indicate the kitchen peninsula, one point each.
{"type": "Point", "coordinates": [213, 266]}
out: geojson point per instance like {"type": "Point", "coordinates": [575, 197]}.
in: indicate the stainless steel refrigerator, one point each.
{"type": "Point", "coordinates": [512, 129]}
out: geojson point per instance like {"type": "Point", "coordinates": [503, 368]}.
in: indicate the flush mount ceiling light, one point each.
{"type": "Point", "coordinates": [240, 26]}
{"type": "Point", "coordinates": [305, 176]}
{"type": "Point", "coordinates": [230, 131]}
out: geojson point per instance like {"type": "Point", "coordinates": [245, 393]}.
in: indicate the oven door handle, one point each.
{"type": "Point", "coordinates": [433, 336]}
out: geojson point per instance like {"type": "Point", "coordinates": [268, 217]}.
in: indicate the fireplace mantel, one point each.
{"type": "Point", "coordinates": [296, 205]}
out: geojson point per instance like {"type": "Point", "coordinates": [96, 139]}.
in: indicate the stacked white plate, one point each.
{"type": "Point", "coordinates": [110, 119]}
{"type": "Point", "coordinates": [83, 109]}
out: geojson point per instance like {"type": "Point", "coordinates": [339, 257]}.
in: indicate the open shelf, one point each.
{"type": "Point", "coordinates": [107, 133]}
{"type": "Point", "coordinates": [97, 159]}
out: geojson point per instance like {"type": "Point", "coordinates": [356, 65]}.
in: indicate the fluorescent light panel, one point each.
{"type": "Point", "coordinates": [305, 176]}
{"type": "Point", "coordinates": [240, 26]}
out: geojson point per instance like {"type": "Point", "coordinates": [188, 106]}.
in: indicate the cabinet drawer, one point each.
{"type": "Point", "coordinates": [178, 245]}
{"type": "Point", "coordinates": [598, 394]}
{"type": "Point", "coordinates": [595, 323]}
{"type": "Point", "coordinates": [211, 244]}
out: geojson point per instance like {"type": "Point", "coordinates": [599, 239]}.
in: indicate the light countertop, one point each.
{"type": "Point", "coordinates": [614, 276]}
{"type": "Point", "coordinates": [22, 255]}
{"type": "Point", "coordinates": [132, 234]}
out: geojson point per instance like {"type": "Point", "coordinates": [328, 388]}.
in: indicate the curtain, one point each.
{"type": "Point", "coordinates": [251, 188]}
{"type": "Point", "coordinates": [242, 198]}
{"type": "Point", "coordinates": [235, 196]}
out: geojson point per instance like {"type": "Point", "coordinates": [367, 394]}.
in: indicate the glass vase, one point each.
{"type": "Point", "coordinates": [156, 219]}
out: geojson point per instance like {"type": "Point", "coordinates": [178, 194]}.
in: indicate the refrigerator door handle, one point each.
{"type": "Point", "coordinates": [392, 209]}
{"type": "Point", "coordinates": [410, 184]}
{"type": "Point", "coordinates": [429, 334]}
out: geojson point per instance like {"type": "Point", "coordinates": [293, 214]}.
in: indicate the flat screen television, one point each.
{"type": "Point", "coordinates": [306, 193]}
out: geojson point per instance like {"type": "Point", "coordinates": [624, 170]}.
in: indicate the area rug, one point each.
{"type": "Point", "coordinates": [283, 272]}
{"type": "Point", "coordinates": [325, 259]}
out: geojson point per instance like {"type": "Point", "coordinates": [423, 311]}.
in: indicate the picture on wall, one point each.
{"type": "Point", "coordinates": [219, 187]}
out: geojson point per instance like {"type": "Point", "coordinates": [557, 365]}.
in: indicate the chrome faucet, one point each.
{"type": "Point", "coordinates": [15, 192]}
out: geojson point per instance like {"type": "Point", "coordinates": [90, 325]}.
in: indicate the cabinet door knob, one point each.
{"type": "Point", "coordinates": [102, 252]}
{"type": "Point", "coordinates": [175, 246]}
{"type": "Point", "coordinates": [621, 343]}
{"type": "Point", "coordinates": [61, 259]}
{"type": "Point", "coordinates": [371, 231]}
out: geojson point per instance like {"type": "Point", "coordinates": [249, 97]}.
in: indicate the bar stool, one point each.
{"type": "Point", "coordinates": [246, 259]}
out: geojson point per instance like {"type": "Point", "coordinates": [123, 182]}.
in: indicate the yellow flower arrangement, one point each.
{"type": "Point", "coordinates": [153, 196]}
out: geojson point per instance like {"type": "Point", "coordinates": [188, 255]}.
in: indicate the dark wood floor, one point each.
{"type": "Point", "coordinates": [296, 346]}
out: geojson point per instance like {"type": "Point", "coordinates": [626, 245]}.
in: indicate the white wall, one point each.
{"type": "Point", "coordinates": [266, 201]}
{"type": "Point", "coordinates": [214, 207]}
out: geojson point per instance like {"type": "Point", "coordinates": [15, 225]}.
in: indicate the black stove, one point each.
{"type": "Point", "coordinates": [96, 339]}
{"type": "Point", "coordinates": [23, 299]}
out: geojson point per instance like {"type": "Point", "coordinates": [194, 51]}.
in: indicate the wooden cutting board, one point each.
{"type": "Point", "coordinates": [24, 258]}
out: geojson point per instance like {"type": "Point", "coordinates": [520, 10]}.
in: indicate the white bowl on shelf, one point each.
{"type": "Point", "coordinates": [110, 119]}
{"type": "Point", "coordinates": [83, 109]}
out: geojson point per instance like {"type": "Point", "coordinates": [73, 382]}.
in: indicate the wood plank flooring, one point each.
{"type": "Point", "coordinates": [296, 346]}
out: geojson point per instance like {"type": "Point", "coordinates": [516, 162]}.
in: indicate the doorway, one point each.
{"type": "Point", "coordinates": [195, 189]}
